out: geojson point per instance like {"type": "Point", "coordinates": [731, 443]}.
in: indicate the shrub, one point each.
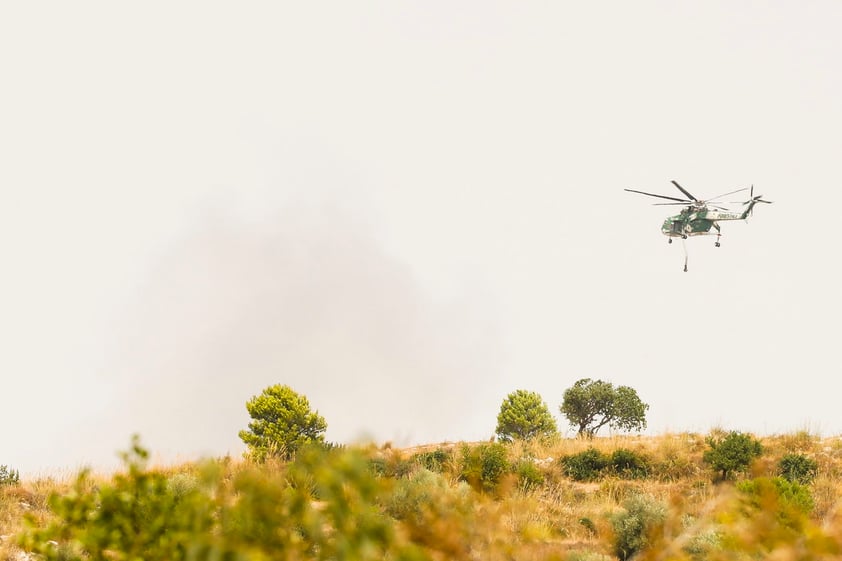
{"type": "Point", "coordinates": [588, 524]}
{"type": "Point", "coordinates": [435, 460]}
{"type": "Point", "coordinates": [281, 423]}
{"type": "Point", "coordinates": [524, 416]}
{"type": "Point", "coordinates": [529, 475]}
{"type": "Point", "coordinates": [9, 476]}
{"type": "Point", "coordinates": [585, 466]}
{"type": "Point", "coordinates": [701, 545]}
{"type": "Point", "coordinates": [628, 464]}
{"type": "Point", "coordinates": [732, 453]}
{"type": "Point", "coordinates": [798, 468]}
{"type": "Point", "coordinates": [633, 528]}
{"type": "Point", "coordinates": [790, 502]}
{"type": "Point", "coordinates": [391, 465]}
{"type": "Point", "coordinates": [137, 514]}
{"type": "Point", "coordinates": [325, 505]}
{"type": "Point", "coordinates": [410, 496]}
{"type": "Point", "coordinates": [483, 466]}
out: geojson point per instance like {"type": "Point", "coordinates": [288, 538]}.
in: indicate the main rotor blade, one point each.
{"type": "Point", "coordinates": [726, 194]}
{"type": "Point", "coordinates": [683, 190]}
{"type": "Point", "coordinates": [690, 205]}
{"type": "Point", "coordinates": [654, 195]}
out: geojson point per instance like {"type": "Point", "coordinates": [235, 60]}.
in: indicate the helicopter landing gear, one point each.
{"type": "Point", "coordinates": [669, 240]}
{"type": "Point", "coordinates": [716, 244]}
{"type": "Point", "coordinates": [718, 235]}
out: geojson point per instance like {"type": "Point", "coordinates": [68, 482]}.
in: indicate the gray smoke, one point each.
{"type": "Point", "coordinates": [314, 302]}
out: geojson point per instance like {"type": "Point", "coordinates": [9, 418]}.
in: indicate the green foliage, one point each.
{"type": "Point", "coordinates": [136, 516]}
{"type": "Point", "coordinates": [588, 524]}
{"type": "Point", "coordinates": [798, 468]}
{"type": "Point", "coordinates": [700, 546]}
{"type": "Point", "coordinates": [791, 500]}
{"type": "Point", "coordinates": [350, 524]}
{"type": "Point", "coordinates": [635, 525]}
{"type": "Point", "coordinates": [435, 514]}
{"type": "Point", "coordinates": [435, 460]}
{"type": "Point", "coordinates": [593, 464]}
{"type": "Point", "coordinates": [392, 466]}
{"type": "Point", "coordinates": [413, 495]}
{"type": "Point", "coordinates": [524, 416]}
{"type": "Point", "coordinates": [628, 464]}
{"type": "Point", "coordinates": [732, 453]}
{"type": "Point", "coordinates": [592, 404]}
{"type": "Point", "coordinates": [326, 505]}
{"type": "Point", "coordinates": [771, 520]}
{"type": "Point", "coordinates": [9, 476]}
{"type": "Point", "coordinates": [584, 466]}
{"type": "Point", "coordinates": [530, 477]}
{"type": "Point", "coordinates": [483, 466]}
{"type": "Point", "coordinates": [282, 423]}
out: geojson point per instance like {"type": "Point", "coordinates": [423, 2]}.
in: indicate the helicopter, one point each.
{"type": "Point", "coordinates": [699, 216]}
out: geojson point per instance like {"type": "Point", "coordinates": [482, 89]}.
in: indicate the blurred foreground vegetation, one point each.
{"type": "Point", "coordinates": [580, 499]}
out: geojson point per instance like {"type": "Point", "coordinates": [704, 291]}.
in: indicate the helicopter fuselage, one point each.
{"type": "Point", "coordinates": [694, 221]}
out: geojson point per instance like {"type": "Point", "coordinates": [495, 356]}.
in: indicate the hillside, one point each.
{"type": "Point", "coordinates": [568, 499]}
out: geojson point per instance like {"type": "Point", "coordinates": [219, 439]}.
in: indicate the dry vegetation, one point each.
{"type": "Point", "coordinates": [441, 504]}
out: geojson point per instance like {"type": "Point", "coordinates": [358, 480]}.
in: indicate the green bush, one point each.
{"type": "Point", "coordinates": [701, 546]}
{"type": "Point", "coordinates": [628, 464]}
{"type": "Point", "coordinates": [585, 466]}
{"type": "Point", "coordinates": [789, 501]}
{"type": "Point", "coordinates": [435, 460]}
{"type": "Point", "coordinates": [483, 466]}
{"type": "Point", "coordinates": [798, 468]}
{"type": "Point", "coordinates": [634, 526]}
{"type": "Point", "coordinates": [732, 453]}
{"type": "Point", "coordinates": [529, 475]}
{"type": "Point", "coordinates": [524, 416]}
{"type": "Point", "coordinates": [137, 515]}
{"type": "Point", "coordinates": [326, 505]}
{"type": "Point", "coordinates": [394, 466]}
{"type": "Point", "coordinates": [9, 476]}
{"type": "Point", "coordinates": [411, 496]}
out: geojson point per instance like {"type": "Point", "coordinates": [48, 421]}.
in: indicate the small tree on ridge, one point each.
{"type": "Point", "coordinates": [591, 404]}
{"type": "Point", "coordinates": [282, 422]}
{"type": "Point", "coordinates": [524, 416]}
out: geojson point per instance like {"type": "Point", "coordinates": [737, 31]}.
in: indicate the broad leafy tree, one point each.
{"type": "Point", "coordinates": [282, 422]}
{"type": "Point", "coordinates": [592, 404]}
{"type": "Point", "coordinates": [524, 416]}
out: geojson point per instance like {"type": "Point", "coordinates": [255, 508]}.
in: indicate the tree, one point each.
{"type": "Point", "coordinates": [524, 416]}
{"type": "Point", "coordinates": [797, 468]}
{"type": "Point", "coordinates": [591, 404]}
{"type": "Point", "coordinates": [281, 423]}
{"type": "Point", "coordinates": [732, 453]}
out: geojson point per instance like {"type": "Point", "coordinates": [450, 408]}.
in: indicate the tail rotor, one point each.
{"type": "Point", "coordinates": [754, 200]}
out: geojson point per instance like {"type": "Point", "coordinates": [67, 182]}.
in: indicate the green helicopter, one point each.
{"type": "Point", "coordinates": [700, 216]}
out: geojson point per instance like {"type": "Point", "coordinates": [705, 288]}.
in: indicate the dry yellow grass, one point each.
{"type": "Point", "coordinates": [557, 519]}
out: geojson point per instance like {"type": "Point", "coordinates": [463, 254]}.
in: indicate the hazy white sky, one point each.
{"type": "Point", "coordinates": [405, 211]}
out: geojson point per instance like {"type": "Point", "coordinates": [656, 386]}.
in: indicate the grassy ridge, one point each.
{"type": "Point", "coordinates": [449, 501]}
